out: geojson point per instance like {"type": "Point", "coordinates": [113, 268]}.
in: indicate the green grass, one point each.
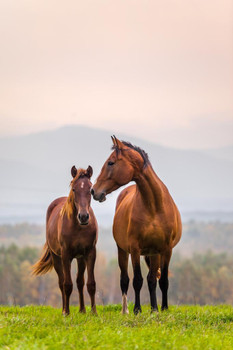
{"type": "Point", "coordinates": [182, 327]}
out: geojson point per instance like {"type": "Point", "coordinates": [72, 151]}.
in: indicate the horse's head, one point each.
{"type": "Point", "coordinates": [80, 192]}
{"type": "Point", "coordinates": [121, 167]}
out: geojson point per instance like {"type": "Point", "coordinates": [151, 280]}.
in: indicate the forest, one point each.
{"type": "Point", "coordinates": [201, 271]}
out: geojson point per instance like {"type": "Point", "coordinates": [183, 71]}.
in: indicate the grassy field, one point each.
{"type": "Point", "coordinates": [182, 327]}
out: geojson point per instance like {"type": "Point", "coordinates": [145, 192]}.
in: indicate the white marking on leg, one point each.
{"type": "Point", "coordinates": [124, 304]}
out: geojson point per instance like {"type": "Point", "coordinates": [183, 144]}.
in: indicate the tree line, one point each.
{"type": "Point", "coordinates": [201, 279]}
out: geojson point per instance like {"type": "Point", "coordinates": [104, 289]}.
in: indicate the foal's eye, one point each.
{"type": "Point", "coordinates": [110, 163]}
{"type": "Point", "coordinates": [73, 189]}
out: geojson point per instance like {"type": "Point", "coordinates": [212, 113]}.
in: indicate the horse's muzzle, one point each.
{"type": "Point", "coordinates": [83, 219]}
{"type": "Point", "coordinates": [101, 197]}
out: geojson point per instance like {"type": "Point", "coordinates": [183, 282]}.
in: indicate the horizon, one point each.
{"type": "Point", "coordinates": [56, 128]}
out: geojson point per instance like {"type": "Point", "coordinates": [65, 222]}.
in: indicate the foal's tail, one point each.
{"type": "Point", "coordinates": [45, 264]}
{"type": "Point", "coordinates": [158, 273]}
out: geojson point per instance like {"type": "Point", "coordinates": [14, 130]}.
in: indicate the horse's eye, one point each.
{"type": "Point", "coordinates": [73, 189]}
{"type": "Point", "coordinates": [111, 163]}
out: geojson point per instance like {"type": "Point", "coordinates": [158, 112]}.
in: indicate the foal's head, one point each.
{"type": "Point", "coordinates": [122, 166]}
{"type": "Point", "coordinates": [80, 193]}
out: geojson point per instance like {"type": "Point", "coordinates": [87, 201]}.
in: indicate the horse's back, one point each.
{"type": "Point", "coordinates": [58, 202]}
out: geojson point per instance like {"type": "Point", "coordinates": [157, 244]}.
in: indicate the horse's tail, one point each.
{"type": "Point", "coordinates": [44, 264]}
{"type": "Point", "coordinates": [158, 273]}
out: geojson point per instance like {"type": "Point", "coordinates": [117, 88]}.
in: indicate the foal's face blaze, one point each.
{"type": "Point", "coordinates": [82, 199]}
{"type": "Point", "coordinates": [116, 172]}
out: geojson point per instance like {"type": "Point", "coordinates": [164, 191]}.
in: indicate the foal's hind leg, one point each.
{"type": "Point", "coordinates": [58, 268]}
{"type": "Point", "coordinates": [91, 285]}
{"type": "Point", "coordinates": [80, 283]}
{"type": "Point", "coordinates": [163, 282]}
{"type": "Point", "coordinates": [123, 258]}
{"type": "Point", "coordinates": [152, 280]}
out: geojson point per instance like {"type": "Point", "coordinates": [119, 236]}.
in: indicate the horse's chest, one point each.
{"type": "Point", "coordinates": [79, 244]}
{"type": "Point", "coordinates": [149, 235]}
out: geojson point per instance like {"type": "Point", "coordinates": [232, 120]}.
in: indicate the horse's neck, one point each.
{"type": "Point", "coordinates": [69, 207]}
{"type": "Point", "coordinates": [151, 189]}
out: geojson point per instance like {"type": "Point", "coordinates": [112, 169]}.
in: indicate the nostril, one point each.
{"type": "Point", "coordinates": [87, 216]}
{"type": "Point", "coordinates": [79, 216]}
{"type": "Point", "coordinates": [92, 192]}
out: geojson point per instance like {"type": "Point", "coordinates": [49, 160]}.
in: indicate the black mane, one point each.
{"type": "Point", "coordinates": [142, 153]}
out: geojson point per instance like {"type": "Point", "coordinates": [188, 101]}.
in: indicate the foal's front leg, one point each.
{"type": "Point", "coordinates": [68, 285]}
{"type": "Point", "coordinates": [80, 283]}
{"type": "Point", "coordinates": [91, 285]}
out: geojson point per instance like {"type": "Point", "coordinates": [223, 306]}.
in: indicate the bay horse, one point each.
{"type": "Point", "coordinates": [71, 232]}
{"type": "Point", "coordinates": [147, 221]}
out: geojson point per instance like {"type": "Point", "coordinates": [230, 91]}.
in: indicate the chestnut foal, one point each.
{"type": "Point", "coordinates": [147, 221]}
{"type": "Point", "coordinates": [71, 232]}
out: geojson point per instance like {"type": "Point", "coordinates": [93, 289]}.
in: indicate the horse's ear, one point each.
{"type": "Point", "coordinates": [118, 143]}
{"type": "Point", "coordinates": [89, 172]}
{"type": "Point", "coordinates": [73, 171]}
{"type": "Point", "coordinates": [113, 141]}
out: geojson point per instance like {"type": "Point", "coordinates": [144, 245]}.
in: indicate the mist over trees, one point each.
{"type": "Point", "coordinates": [201, 269]}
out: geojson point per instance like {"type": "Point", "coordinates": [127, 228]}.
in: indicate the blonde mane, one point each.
{"type": "Point", "coordinates": [69, 203]}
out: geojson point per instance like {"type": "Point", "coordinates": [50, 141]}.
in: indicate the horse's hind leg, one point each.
{"type": "Point", "coordinates": [163, 281]}
{"type": "Point", "coordinates": [123, 258]}
{"type": "Point", "coordinates": [80, 283]}
{"type": "Point", "coordinates": [58, 268]}
{"type": "Point", "coordinates": [68, 285]}
{"type": "Point", "coordinates": [91, 285]}
{"type": "Point", "coordinates": [152, 280]}
{"type": "Point", "coordinates": [137, 280]}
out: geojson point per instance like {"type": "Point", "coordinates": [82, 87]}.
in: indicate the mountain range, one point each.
{"type": "Point", "coordinates": [35, 169]}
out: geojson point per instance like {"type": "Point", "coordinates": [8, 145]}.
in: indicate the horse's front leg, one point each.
{"type": "Point", "coordinates": [154, 262]}
{"type": "Point", "coordinates": [68, 285]}
{"type": "Point", "coordinates": [80, 283]}
{"type": "Point", "coordinates": [137, 280]}
{"type": "Point", "coordinates": [163, 282]}
{"type": "Point", "coordinates": [91, 285]}
{"type": "Point", "coordinates": [123, 258]}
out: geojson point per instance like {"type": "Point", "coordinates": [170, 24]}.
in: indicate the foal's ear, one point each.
{"type": "Point", "coordinates": [73, 171]}
{"type": "Point", "coordinates": [89, 172]}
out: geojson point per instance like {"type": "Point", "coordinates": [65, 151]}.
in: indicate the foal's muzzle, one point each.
{"type": "Point", "coordinates": [83, 219]}
{"type": "Point", "coordinates": [101, 197]}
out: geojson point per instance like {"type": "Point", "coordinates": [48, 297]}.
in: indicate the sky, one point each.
{"type": "Point", "coordinates": [159, 70]}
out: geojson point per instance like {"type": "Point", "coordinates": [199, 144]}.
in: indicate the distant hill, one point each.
{"type": "Point", "coordinates": [36, 168]}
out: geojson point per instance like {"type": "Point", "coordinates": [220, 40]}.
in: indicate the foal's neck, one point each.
{"type": "Point", "coordinates": [151, 189]}
{"type": "Point", "coordinates": [69, 207]}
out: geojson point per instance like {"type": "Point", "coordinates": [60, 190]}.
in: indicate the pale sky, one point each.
{"type": "Point", "coordinates": [159, 70]}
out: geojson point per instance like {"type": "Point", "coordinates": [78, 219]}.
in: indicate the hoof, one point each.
{"type": "Point", "coordinates": [82, 311]}
{"type": "Point", "coordinates": [164, 308]}
{"type": "Point", "coordinates": [154, 311]}
{"type": "Point", "coordinates": [64, 313]}
{"type": "Point", "coordinates": [125, 312]}
{"type": "Point", "coordinates": [137, 310]}
{"type": "Point", "coordinates": [94, 312]}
